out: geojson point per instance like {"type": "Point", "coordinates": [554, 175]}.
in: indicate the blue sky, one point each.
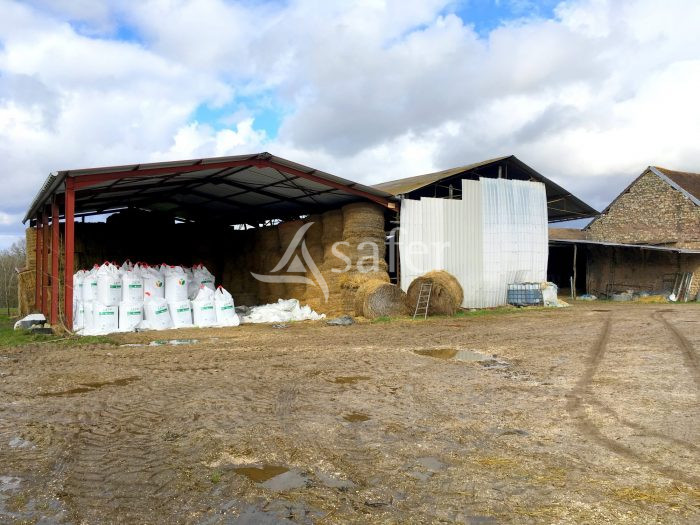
{"type": "Point", "coordinates": [369, 90]}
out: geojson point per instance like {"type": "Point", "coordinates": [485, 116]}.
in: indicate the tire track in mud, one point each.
{"type": "Point", "coordinates": [114, 466]}
{"type": "Point", "coordinates": [120, 463]}
{"type": "Point", "coordinates": [641, 428]}
{"type": "Point", "coordinates": [690, 356]}
{"type": "Point", "coordinates": [575, 407]}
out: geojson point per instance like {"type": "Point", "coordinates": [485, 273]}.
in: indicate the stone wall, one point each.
{"type": "Point", "coordinates": [637, 269]}
{"type": "Point", "coordinates": [650, 212]}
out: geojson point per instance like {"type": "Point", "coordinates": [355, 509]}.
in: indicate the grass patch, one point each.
{"type": "Point", "coordinates": [9, 337]}
{"type": "Point", "coordinates": [215, 477]}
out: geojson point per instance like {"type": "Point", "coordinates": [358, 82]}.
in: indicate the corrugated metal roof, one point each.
{"type": "Point", "coordinates": [622, 245]}
{"type": "Point", "coordinates": [269, 187]}
{"type": "Point", "coordinates": [408, 184]}
{"type": "Point", "coordinates": [561, 204]}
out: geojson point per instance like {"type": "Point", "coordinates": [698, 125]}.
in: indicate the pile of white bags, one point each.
{"type": "Point", "coordinates": [284, 310]}
{"type": "Point", "coordinates": [111, 298]}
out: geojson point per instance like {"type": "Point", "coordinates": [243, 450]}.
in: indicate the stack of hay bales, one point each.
{"type": "Point", "coordinates": [295, 266]}
{"type": "Point", "coordinates": [331, 231]}
{"type": "Point", "coordinates": [378, 298]}
{"type": "Point", "coordinates": [26, 289]}
{"type": "Point", "coordinates": [236, 276]}
{"type": "Point", "coordinates": [446, 295]}
{"type": "Point", "coordinates": [363, 231]}
{"type": "Point", "coordinates": [264, 257]}
{"type": "Point", "coordinates": [26, 292]}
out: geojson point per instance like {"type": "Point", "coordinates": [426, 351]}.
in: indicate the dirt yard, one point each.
{"type": "Point", "coordinates": [584, 415]}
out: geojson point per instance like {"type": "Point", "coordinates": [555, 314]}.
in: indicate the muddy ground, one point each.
{"type": "Point", "coordinates": [585, 415]}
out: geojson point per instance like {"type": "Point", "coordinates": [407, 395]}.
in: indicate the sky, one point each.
{"type": "Point", "coordinates": [587, 92]}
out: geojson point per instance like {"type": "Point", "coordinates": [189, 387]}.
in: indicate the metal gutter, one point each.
{"type": "Point", "coordinates": [622, 245]}
{"type": "Point", "coordinates": [47, 189]}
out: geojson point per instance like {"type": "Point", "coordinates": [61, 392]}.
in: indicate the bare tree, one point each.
{"type": "Point", "coordinates": [11, 259]}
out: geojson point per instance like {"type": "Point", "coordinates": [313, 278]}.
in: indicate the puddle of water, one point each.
{"type": "Point", "coordinates": [599, 310]}
{"type": "Point", "coordinates": [161, 342]}
{"type": "Point", "coordinates": [468, 356]}
{"type": "Point", "coordinates": [349, 380]}
{"type": "Point", "coordinates": [355, 417]}
{"type": "Point", "coordinates": [89, 387]}
{"type": "Point", "coordinates": [453, 353]}
{"type": "Point", "coordinates": [261, 474]}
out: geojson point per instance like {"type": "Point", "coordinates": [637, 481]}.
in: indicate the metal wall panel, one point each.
{"type": "Point", "coordinates": [495, 235]}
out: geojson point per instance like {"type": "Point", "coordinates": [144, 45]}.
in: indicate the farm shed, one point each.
{"type": "Point", "coordinates": [485, 223]}
{"type": "Point", "coordinates": [235, 214]}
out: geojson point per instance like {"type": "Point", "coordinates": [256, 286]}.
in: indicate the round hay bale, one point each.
{"type": "Point", "coordinates": [354, 280]}
{"type": "Point", "coordinates": [332, 227]}
{"type": "Point", "coordinates": [357, 253]}
{"type": "Point", "coordinates": [378, 298]}
{"type": "Point", "coordinates": [445, 297]}
{"type": "Point", "coordinates": [362, 219]}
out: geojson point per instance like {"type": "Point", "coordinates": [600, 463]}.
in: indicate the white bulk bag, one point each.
{"type": "Point", "coordinates": [153, 283]}
{"type": "Point", "coordinates": [204, 277]}
{"type": "Point", "coordinates": [126, 267]}
{"type": "Point", "coordinates": [79, 315]}
{"type": "Point", "coordinates": [225, 310]}
{"type": "Point", "coordinates": [181, 313]}
{"type": "Point", "coordinates": [109, 285]}
{"type": "Point", "coordinates": [105, 318]}
{"type": "Point", "coordinates": [78, 278]}
{"type": "Point", "coordinates": [157, 314]}
{"type": "Point", "coordinates": [90, 285]}
{"type": "Point", "coordinates": [88, 316]}
{"type": "Point", "coordinates": [203, 308]}
{"type": "Point", "coordinates": [130, 315]}
{"type": "Point", "coordinates": [175, 284]}
{"type": "Point", "coordinates": [132, 287]}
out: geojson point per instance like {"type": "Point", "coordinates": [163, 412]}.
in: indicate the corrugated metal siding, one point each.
{"type": "Point", "coordinates": [495, 235]}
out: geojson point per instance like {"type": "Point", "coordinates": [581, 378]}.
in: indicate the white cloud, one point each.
{"type": "Point", "coordinates": [371, 90]}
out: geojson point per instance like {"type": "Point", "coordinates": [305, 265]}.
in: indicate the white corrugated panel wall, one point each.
{"type": "Point", "coordinates": [410, 242]}
{"type": "Point", "coordinates": [495, 235]}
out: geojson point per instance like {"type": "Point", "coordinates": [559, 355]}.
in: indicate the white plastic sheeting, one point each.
{"type": "Point", "coordinates": [495, 235]}
{"type": "Point", "coordinates": [283, 311]}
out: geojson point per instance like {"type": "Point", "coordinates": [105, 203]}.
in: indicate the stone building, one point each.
{"type": "Point", "coordinates": [660, 207]}
{"type": "Point", "coordinates": [646, 236]}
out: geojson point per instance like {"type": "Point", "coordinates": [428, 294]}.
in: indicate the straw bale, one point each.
{"type": "Point", "coordinates": [30, 237]}
{"type": "Point", "coordinates": [446, 296]}
{"type": "Point", "coordinates": [362, 219]}
{"type": "Point", "coordinates": [378, 298]}
{"type": "Point", "coordinates": [332, 222]}
{"type": "Point", "coordinates": [267, 239]}
{"type": "Point", "coordinates": [26, 292]}
{"type": "Point", "coordinates": [353, 280]}
{"type": "Point", "coordinates": [287, 230]}
{"type": "Point", "coordinates": [314, 235]}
